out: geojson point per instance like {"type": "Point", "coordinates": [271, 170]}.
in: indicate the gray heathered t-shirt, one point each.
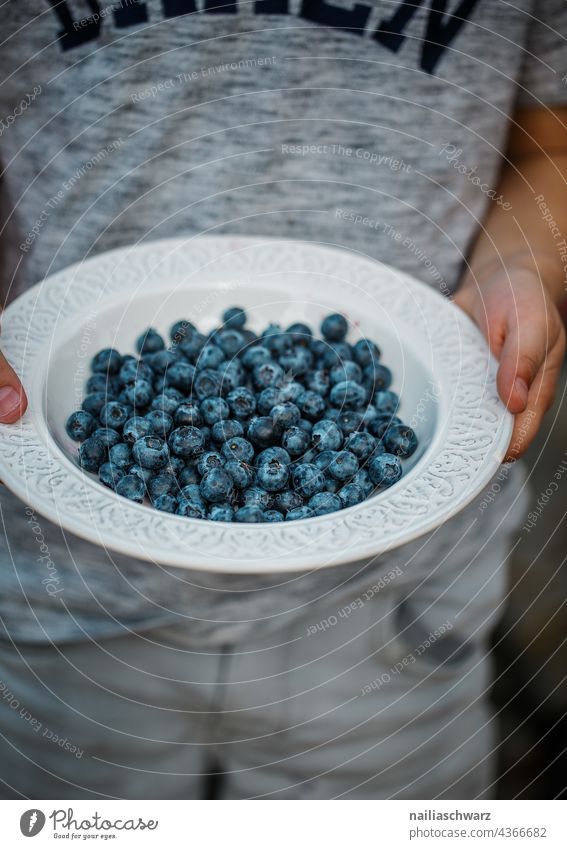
{"type": "Point", "coordinates": [149, 118]}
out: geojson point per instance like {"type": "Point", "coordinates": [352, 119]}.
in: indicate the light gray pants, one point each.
{"type": "Point", "coordinates": [382, 698]}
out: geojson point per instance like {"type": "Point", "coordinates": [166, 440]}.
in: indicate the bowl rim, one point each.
{"type": "Point", "coordinates": [232, 547]}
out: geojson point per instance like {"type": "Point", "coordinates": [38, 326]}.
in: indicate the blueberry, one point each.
{"type": "Point", "coordinates": [149, 342]}
{"type": "Point", "coordinates": [240, 472]}
{"type": "Point", "coordinates": [109, 474]}
{"type": "Point", "coordinates": [297, 360]}
{"type": "Point", "coordinates": [188, 475]}
{"type": "Point", "coordinates": [335, 354]}
{"type": "Point", "coordinates": [207, 383]}
{"type": "Point", "coordinates": [302, 512]}
{"type": "Point", "coordinates": [326, 436]}
{"type": "Point", "coordinates": [230, 341]}
{"type": "Point", "coordinates": [351, 494]}
{"type": "Point", "coordinates": [275, 339]}
{"type": "Point", "coordinates": [365, 352]}
{"type": "Point", "coordinates": [160, 484]}
{"type": "Point", "coordinates": [221, 513]}
{"type": "Point", "coordinates": [181, 375]}
{"type": "Point", "coordinates": [249, 513]}
{"type": "Point", "coordinates": [120, 455]}
{"type": "Point", "coordinates": [318, 348]}
{"type": "Point", "coordinates": [209, 460]}
{"type": "Point", "coordinates": [113, 414]}
{"type": "Point", "coordinates": [232, 375]}
{"type": "Point", "coordinates": [186, 441]}
{"type": "Point", "coordinates": [267, 399]}
{"type": "Point", "coordinates": [132, 370]}
{"type": "Point", "coordinates": [308, 479]}
{"type": "Point", "coordinates": [160, 361]}
{"type": "Point", "coordinates": [400, 439]}
{"type": "Point", "coordinates": [138, 394]}
{"type": "Point", "coordinates": [107, 435]}
{"type": "Point", "coordinates": [287, 500]}
{"type": "Point", "coordinates": [160, 422]}
{"type": "Point", "coordinates": [168, 400]}
{"type": "Point", "coordinates": [348, 394]}
{"type": "Point", "coordinates": [188, 414]}
{"type": "Point", "coordinates": [182, 329]}
{"type": "Point", "coordinates": [334, 327]}
{"type": "Point", "coordinates": [214, 410]}
{"type": "Point", "coordinates": [267, 374]}
{"type": "Point", "coordinates": [343, 465]}
{"type": "Point", "coordinates": [273, 453]}
{"type": "Point", "coordinates": [211, 356]}
{"type": "Point", "coordinates": [311, 404]}
{"type": "Point", "coordinates": [273, 516]}
{"type": "Point", "coordinates": [150, 452]}
{"type": "Point", "coordinates": [234, 317]}
{"type": "Point", "coordinates": [386, 401]}
{"type": "Point", "coordinates": [290, 390]}
{"type": "Point", "coordinates": [348, 420]}
{"type": "Point", "coordinates": [192, 493]}
{"type": "Point", "coordinates": [101, 383]}
{"type": "Point", "coordinates": [323, 459]}
{"type": "Point", "coordinates": [94, 402]}
{"type": "Point", "coordinates": [256, 355]}
{"type": "Point", "coordinates": [362, 479]}
{"type": "Point", "coordinates": [381, 423]}
{"type": "Point", "coordinates": [216, 485]}
{"type": "Point", "coordinates": [192, 345]}
{"type": "Point", "coordinates": [261, 431]}
{"type": "Point", "coordinates": [79, 425]}
{"type": "Point", "coordinates": [361, 444]}
{"type": "Point", "coordinates": [299, 333]}
{"type": "Point", "coordinates": [242, 403]}
{"type": "Point", "coordinates": [135, 428]}
{"type": "Point", "coordinates": [238, 448]}
{"type": "Point", "coordinates": [226, 429]}
{"type": "Point", "coordinates": [284, 416]}
{"type": "Point", "coordinates": [167, 503]}
{"type": "Point", "coordinates": [385, 470]}
{"type": "Point", "coordinates": [131, 487]}
{"type": "Point", "coordinates": [324, 502]}
{"type": "Point", "coordinates": [107, 361]}
{"type": "Point", "coordinates": [347, 370]}
{"type": "Point", "coordinates": [255, 496]}
{"type": "Point", "coordinates": [376, 376]}
{"type": "Point", "coordinates": [296, 441]}
{"type": "Point", "coordinates": [273, 476]}
{"type": "Point", "coordinates": [319, 381]}
{"type": "Point", "coordinates": [143, 474]}
{"type": "Point", "coordinates": [191, 509]}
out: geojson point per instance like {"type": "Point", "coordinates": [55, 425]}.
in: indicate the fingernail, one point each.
{"type": "Point", "coordinates": [10, 399]}
{"type": "Point", "coordinates": [521, 389]}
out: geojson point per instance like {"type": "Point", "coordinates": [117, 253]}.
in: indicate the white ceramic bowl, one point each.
{"type": "Point", "coordinates": [442, 371]}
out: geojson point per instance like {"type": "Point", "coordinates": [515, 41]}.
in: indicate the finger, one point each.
{"type": "Point", "coordinates": [13, 401]}
{"type": "Point", "coordinates": [521, 358]}
{"type": "Point", "coordinates": [540, 399]}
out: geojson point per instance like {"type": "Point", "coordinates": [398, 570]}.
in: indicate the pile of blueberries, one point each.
{"type": "Point", "coordinates": [236, 427]}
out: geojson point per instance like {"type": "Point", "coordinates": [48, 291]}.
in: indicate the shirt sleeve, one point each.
{"type": "Point", "coordinates": [543, 75]}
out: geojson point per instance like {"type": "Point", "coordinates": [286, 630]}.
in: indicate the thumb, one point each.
{"type": "Point", "coordinates": [521, 358]}
{"type": "Point", "coordinates": [13, 401]}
